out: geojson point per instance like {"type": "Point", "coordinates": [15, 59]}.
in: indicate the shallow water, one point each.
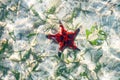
{"type": "Point", "coordinates": [26, 53]}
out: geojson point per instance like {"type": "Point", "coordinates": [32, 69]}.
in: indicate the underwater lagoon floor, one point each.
{"type": "Point", "coordinates": [26, 53]}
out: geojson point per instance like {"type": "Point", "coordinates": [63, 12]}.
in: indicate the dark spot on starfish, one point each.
{"type": "Point", "coordinates": [68, 42]}
{"type": "Point", "coordinates": [70, 36]}
{"type": "Point", "coordinates": [61, 38]}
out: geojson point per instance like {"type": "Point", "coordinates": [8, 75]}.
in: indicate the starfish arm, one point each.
{"type": "Point", "coordinates": [73, 46]}
{"type": "Point", "coordinates": [50, 36]}
{"type": "Point", "coordinates": [59, 54]}
{"type": "Point", "coordinates": [76, 32]}
{"type": "Point", "coordinates": [62, 29]}
{"type": "Point", "coordinates": [62, 46]}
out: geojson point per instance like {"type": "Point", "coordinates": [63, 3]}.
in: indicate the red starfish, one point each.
{"type": "Point", "coordinates": [65, 38]}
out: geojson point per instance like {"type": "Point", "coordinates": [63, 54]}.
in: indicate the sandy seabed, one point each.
{"type": "Point", "coordinates": [26, 54]}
